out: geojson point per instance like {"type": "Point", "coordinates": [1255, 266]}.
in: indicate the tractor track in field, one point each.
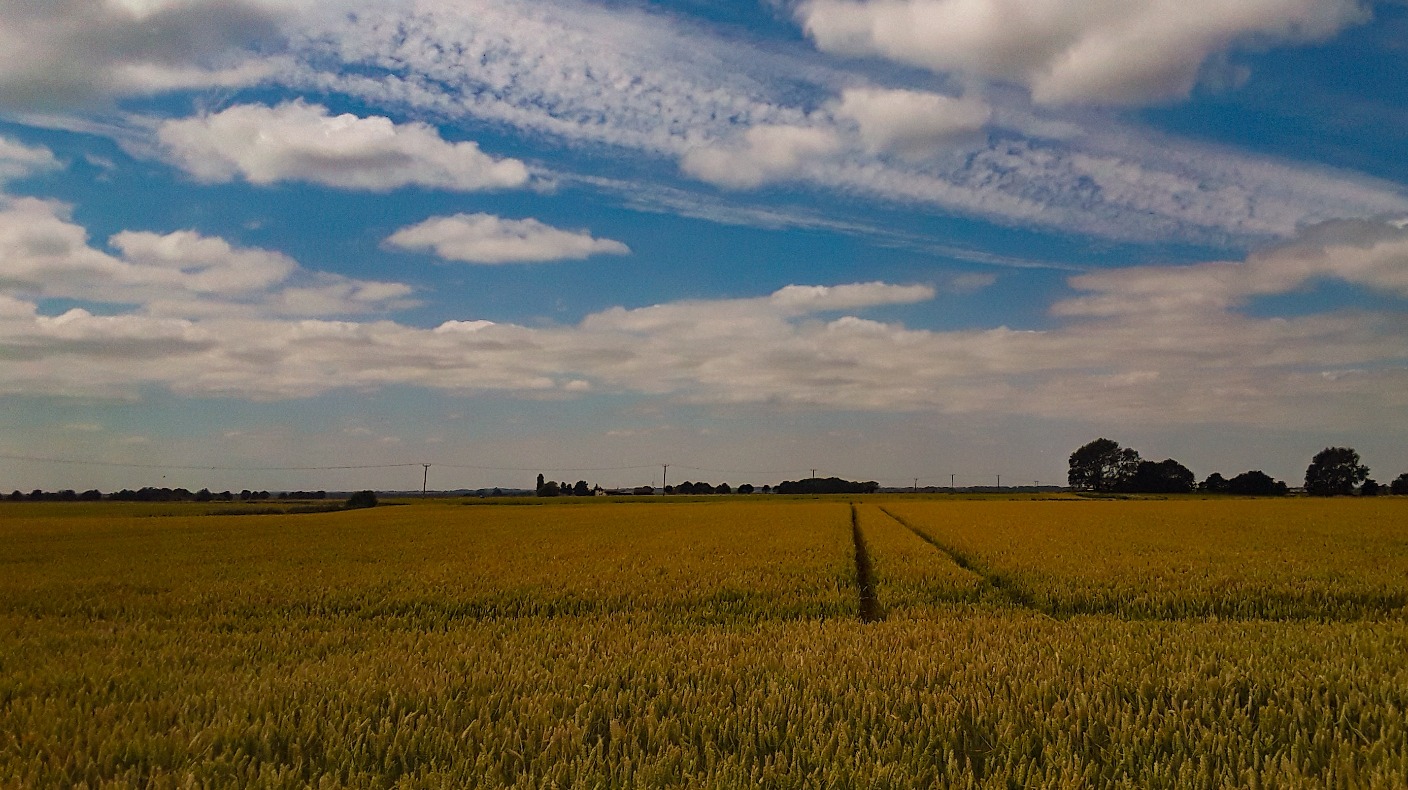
{"type": "Point", "coordinates": [870, 609]}
{"type": "Point", "coordinates": [996, 584]}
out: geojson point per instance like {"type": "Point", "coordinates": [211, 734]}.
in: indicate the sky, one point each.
{"type": "Point", "coordinates": [243, 242]}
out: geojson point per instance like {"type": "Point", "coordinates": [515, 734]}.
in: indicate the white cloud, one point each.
{"type": "Point", "coordinates": [302, 142]}
{"type": "Point", "coordinates": [577, 74]}
{"type": "Point", "coordinates": [911, 123]}
{"type": "Point", "coordinates": [803, 299]}
{"type": "Point", "coordinates": [1159, 370]}
{"type": "Point", "coordinates": [1373, 255]}
{"type": "Point", "coordinates": [487, 239]}
{"type": "Point", "coordinates": [1094, 51]}
{"type": "Point", "coordinates": [43, 254]}
{"type": "Point", "coordinates": [18, 160]}
{"type": "Point", "coordinates": [61, 53]}
{"type": "Point", "coordinates": [765, 153]}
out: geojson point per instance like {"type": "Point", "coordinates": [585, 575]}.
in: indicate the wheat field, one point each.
{"type": "Point", "coordinates": [1025, 643]}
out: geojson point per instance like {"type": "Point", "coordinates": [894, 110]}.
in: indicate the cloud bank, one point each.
{"type": "Point", "coordinates": [1162, 345]}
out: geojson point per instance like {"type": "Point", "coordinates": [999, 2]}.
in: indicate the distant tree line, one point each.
{"type": "Point", "coordinates": [151, 494]}
{"type": "Point", "coordinates": [1104, 466]}
{"type": "Point", "coordinates": [550, 488]}
{"type": "Point", "coordinates": [815, 485]}
{"type": "Point", "coordinates": [722, 488]}
{"type": "Point", "coordinates": [826, 485]}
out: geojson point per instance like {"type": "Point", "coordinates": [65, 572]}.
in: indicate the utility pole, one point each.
{"type": "Point", "coordinates": [916, 485]}
{"type": "Point", "coordinates": [950, 480]}
{"type": "Point", "coordinates": [424, 478]}
{"type": "Point", "coordinates": [665, 469]}
{"type": "Point", "coordinates": [999, 481]}
{"type": "Point", "coordinates": [813, 474]}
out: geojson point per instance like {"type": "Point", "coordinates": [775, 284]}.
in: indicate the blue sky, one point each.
{"type": "Point", "coordinates": [882, 239]}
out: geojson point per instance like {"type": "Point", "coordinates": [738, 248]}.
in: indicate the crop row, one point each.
{"type": "Point", "coordinates": [1295, 559]}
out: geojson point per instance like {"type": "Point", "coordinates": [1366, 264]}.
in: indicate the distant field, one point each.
{"type": "Point", "coordinates": [709, 643]}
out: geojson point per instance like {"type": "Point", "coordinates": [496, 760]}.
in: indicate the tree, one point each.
{"type": "Point", "coordinates": [828, 485]}
{"type": "Point", "coordinates": [1371, 487]}
{"type": "Point", "coordinates": [549, 489]}
{"type": "Point", "coordinates": [581, 489]}
{"type": "Point", "coordinates": [1102, 465]}
{"type": "Point", "coordinates": [1334, 471]}
{"type": "Point", "coordinates": [723, 488]}
{"type": "Point", "coordinates": [1256, 483]}
{"type": "Point", "coordinates": [1164, 477]}
{"type": "Point", "coordinates": [361, 499]}
{"type": "Point", "coordinates": [1215, 484]}
{"type": "Point", "coordinates": [1399, 485]}
{"type": "Point", "coordinates": [746, 488]}
{"type": "Point", "coordinates": [539, 489]}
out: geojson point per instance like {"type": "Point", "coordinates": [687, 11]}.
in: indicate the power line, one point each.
{"type": "Point", "coordinates": [736, 471]}
{"type": "Point", "coordinates": [425, 465]}
{"type": "Point", "coordinates": [545, 468]}
{"type": "Point", "coordinates": [204, 467]}
{"type": "Point", "coordinates": [228, 468]}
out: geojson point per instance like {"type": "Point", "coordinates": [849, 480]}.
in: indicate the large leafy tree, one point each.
{"type": "Point", "coordinates": [1102, 465]}
{"type": "Point", "coordinates": [1334, 471]}
{"type": "Point", "coordinates": [1162, 477]}
{"type": "Point", "coordinates": [1256, 483]}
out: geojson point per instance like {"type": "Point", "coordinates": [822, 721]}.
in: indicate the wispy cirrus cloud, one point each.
{"type": "Point", "coordinates": [741, 115]}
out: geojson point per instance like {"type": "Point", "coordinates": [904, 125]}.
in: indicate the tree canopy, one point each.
{"type": "Point", "coordinates": [1163, 477]}
{"type": "Point", "coordinates": [1399, 484]}
{"type": "Point", "coordinates": [1256, 483]}
{"type": "Point", "coordinates": [1102, 465]}
{"type": "Point", "coordinates": [1334, 471]}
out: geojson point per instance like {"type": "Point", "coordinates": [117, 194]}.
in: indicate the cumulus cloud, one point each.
{"type": "Point", "coordinates": [765, 153]}
{"type": "Point", "coordinates": [1169, 368]}
{"type": "Point", "coordinates": [487, 239]}
{"type": "Point", "coordinates": [45, 255]}
{"type": "Point", "coordinates": [812, 298]}
{"type": "Point", "coordinates": [911, 123]}
{"type": "Point", "coordinates": [296, 141]}
{"type": "Point", "coordinates": [1369, 254]}
{"type": "Point", "coordinates": [57, 54]}
{"type": "Point", "coordinates": [1092, 51]}
{"type": "Point", "coordinates": [18, 160]}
